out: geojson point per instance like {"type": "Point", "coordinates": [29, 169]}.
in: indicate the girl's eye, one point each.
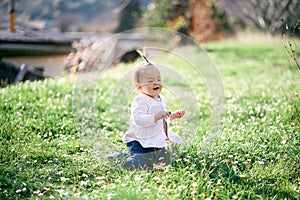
{"type": "Point", "coordinates": [150, 81]}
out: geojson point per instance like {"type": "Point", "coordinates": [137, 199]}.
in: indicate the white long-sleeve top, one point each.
{"type": "Point", "coordinates": [142, 126]}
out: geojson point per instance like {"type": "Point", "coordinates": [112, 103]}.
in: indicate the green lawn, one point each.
{"type": "Point", "coordinates": [44, 154]}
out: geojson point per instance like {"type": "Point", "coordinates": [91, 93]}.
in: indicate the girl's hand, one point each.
{"type": "Point", "coordinates": [177, 114]}
{"type": "Point", "coordinates": [160, 115]}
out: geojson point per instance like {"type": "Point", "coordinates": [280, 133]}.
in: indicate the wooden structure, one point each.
{"type": "Point", "coordinates": [43, 53]}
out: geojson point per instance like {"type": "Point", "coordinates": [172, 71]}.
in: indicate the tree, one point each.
{"type": "Point", "coordinates": [130, 13]}
{"type": "Point", "coordinates": [208, 20]}
{"type": "Point", "coordinates": [158, 13]}
{"type": "Point", "coordinates": [269, 15]}
{"type": "Point", "coordinates": [204, 20]}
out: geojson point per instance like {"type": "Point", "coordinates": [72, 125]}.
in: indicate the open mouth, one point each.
{"type": "Point", "coordinates": [156, 88]}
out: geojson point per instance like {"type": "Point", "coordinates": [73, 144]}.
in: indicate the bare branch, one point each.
{"type": "Point", "coordinates": [267, 15]}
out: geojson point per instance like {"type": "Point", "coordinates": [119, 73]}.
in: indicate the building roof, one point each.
{"type": "Point", "coordinates": [28, 41]}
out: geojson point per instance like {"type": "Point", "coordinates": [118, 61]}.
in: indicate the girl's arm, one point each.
{"type": "Point", "coordinates": [139, 113]}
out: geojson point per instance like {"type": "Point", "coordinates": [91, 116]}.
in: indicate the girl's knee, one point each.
{"type": "Point", "coordinates": [140, 161]}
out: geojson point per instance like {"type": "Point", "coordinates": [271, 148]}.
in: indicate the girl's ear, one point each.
{"type": "Point", "coordinates": [138, 86]}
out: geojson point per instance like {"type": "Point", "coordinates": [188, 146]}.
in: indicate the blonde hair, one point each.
{"type": "Point", "coordinates": [140, 68]}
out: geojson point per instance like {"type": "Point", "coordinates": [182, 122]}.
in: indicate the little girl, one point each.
{"type": "Point", "coordinates": [148, 130]}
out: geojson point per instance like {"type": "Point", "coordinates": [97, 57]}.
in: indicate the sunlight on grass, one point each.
{"type": "Point", "coordinates": [256, 157]}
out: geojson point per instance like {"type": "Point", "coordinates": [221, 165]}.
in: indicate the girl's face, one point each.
{"type": "Point", "coordinates": [150, 82]}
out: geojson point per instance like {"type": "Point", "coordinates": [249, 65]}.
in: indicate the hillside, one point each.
{"type": "Point", "coordinates": [91, 15]}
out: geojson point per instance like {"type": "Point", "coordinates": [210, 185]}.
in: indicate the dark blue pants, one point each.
{"type": "Point", "coordinates": [141, 157]}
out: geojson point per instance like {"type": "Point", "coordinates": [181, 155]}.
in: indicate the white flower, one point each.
{"type": "Point", "coordinates": [83, 183]}
{"type": "Point", "coordinates": [182, 187]}
{"type": "Point", "coordinates": [60, 191]}
{"type": "Point", "coordinates": [195, 184]}
{"type": "Point", "coordinates": [63, 179]}
{"type": "Point", "coordinates": [100, 178]}
{"type": "Point", "coordinates": [37, 192]}
{"type": "Point", "coordinates": [100, 182]}
{"type": "Point", "coordinates": [109, 196]}
{"type": "Point", "coordinates": [283, 141]}
{"type": "Point", "coordinates": [260, 162]}
{"type": "Point", "coordinates": [138, 178]}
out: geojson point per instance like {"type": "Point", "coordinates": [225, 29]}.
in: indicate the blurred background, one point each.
{"type": "Point", "coordinates": [205, 20]}
{"type": "Point", "coordinates": [60, 28]}
{"type": "Point", "coordinates": [193, 17]}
